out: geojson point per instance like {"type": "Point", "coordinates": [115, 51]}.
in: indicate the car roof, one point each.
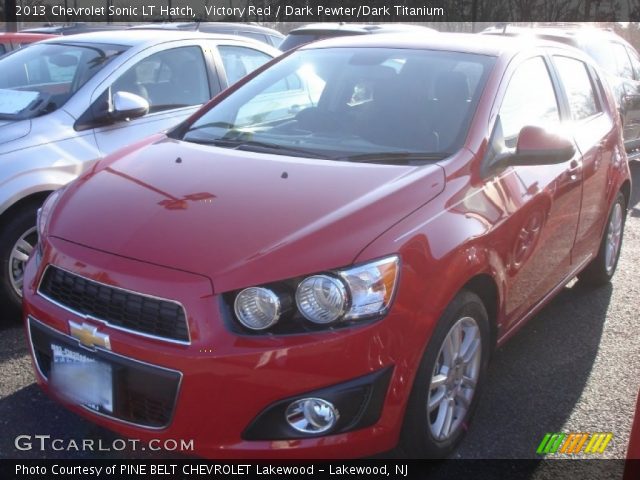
{"type": "Point", "coordinates": [25, 36]}
{"type": "Point", "coordinates": [132, 38]}
{"type": "Point", "coordinates": [568, 35]}
{"type": "Point", "coordinates": [356, 28]}
{"type": "Point", "coordinates": [209, 26]}
{"type": "Point", "coordinates": [492, 45]}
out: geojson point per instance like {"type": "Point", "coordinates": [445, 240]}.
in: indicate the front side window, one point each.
{"type": "Point", "coordinates": [577, 84]}
{"type": "Point", "coordinates": [369, 104]}
{"type": "Point", "coordinates": [169, 79]}
{"type": "Point", "coordinates": [41, 78]}
{"type": "Point", "coordinates": [529, 100]}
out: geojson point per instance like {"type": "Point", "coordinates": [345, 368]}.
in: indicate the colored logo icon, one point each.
{"type": "Point", "coordinates": [574, 443]}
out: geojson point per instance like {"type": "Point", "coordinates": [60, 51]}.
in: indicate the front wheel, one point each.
{"type": "Point", "coordinates": [601, 269]}
{"type": "Point", "coordinates": [447, 384]}
{"type": "Point", "coordinates": [18, 238]}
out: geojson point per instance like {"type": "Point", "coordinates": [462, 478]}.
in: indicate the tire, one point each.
{"type": "Point", "coordinates": [419, 437]}
{"type": "Point", "coordinates": [18, 237]}
{"type": "Point", "coordinates": [602, 268]}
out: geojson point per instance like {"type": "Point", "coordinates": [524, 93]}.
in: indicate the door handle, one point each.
{"type": "Point", "coordinates": [574, 167]}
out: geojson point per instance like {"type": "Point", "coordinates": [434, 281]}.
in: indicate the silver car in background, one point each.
{"type": "Point", "coordinates": [69, 101]}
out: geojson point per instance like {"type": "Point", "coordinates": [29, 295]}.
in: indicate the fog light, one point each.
{"type": "Point", "coordinates": [312, 415]}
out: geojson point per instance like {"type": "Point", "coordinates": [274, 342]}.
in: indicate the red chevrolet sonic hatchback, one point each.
{"type": "Point", "coordinates": [319, 263]}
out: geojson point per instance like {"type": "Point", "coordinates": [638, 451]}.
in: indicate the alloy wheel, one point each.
{"type": "Point", "coordinates": [18, 258]}
{"type": "Point", "coordinates": [614, 237]}
{"type": "Point", "coordinates": [454, 378]}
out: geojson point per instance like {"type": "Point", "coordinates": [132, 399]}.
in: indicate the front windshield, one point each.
{"type": "Point", "coordinates": [368, 104]}
{"type": "Point", "coordinates": [42, 77]}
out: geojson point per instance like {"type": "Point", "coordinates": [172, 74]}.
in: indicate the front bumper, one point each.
{"type": "Point", "coordinates": [220, 381]}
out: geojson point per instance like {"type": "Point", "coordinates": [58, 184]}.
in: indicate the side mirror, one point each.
{"type": "Point", "coordinates": [127, 106]}
{"type": "Point", "coordinates": [537, 146]}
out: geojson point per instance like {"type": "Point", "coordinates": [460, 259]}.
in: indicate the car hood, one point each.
{"type": "Point", "coordinates": [11, 130]}
{"type": "Point", "coordinates": [238, 217]}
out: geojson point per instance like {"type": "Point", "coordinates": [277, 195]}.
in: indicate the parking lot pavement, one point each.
{"type": "Point", "coordinates": [573, 368]}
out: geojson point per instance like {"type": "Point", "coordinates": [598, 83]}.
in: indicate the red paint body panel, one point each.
{"type": "Point", "coordinates": [12, 41]}
{"type": "Point", "coordinates": [223, 219]}
{"type": "Point", "coordinates": [632, 466]}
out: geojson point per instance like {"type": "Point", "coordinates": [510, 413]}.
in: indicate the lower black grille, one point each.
{"type": "Point", "coordinates": [143, 394]}
{"type": "Point", "coordinates": [120, 308]}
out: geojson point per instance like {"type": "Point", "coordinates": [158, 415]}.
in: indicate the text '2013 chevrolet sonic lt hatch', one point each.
{"type": "Point", "coordinates": [321, 277]}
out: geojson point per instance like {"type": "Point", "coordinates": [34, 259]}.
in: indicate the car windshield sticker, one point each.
{"type": "Point", "coordinates": [15, 101]}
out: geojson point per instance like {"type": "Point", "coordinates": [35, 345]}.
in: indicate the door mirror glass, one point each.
{"type": "Point", "coordinates": [127, 106]}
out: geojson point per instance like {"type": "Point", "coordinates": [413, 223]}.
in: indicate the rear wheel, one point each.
{"type": "Point", "coordinates": [18, 238]}
{"type": "Point", "coordinates": [447, 384]}
{"type": "Point", "coordinates": [601, 269]}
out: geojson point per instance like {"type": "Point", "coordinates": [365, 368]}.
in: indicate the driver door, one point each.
{"type": "Point", "coordinates": [546, 198]}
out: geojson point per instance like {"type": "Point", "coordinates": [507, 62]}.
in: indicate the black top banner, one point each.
{"type": "Point", "coordinates": [57, 11]}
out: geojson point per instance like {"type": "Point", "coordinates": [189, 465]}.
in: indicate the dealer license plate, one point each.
{"type": "Point", "coordinates": [81, 379]}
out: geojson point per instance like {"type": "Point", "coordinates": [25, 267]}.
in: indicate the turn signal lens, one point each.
{"type": "Point", "coordinates": [371, 287]}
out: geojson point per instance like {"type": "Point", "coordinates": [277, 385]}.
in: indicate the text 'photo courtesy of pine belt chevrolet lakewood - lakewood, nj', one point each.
{"type": "Point", "coordinates": [320, 261]}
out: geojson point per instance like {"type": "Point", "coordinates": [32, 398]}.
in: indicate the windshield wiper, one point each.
{"type": "Point", "coordinates": [395, 157]}
{"type": "Point", "coordinates": [227, 125]}
{"type": "Point", "coordinates": [257, 146]}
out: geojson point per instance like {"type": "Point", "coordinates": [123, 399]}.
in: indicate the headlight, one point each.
{"type": "Point", "coordinates": [257, 308]}
{"type": "Point", "coordinates": [321, 299]}
{"type": "Point", "coordinates": [331, 299]}
{"type": "Point", "coordinates": [44, 212]}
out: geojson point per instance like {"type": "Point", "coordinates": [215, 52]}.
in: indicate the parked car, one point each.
{"type": "Point", "coordinates": [318, 31]}
{"type": "Point", "coordinates": [68, 101]}
{"type": "Point", "coordinates": [249, 30]}
{"type": "Point", "coordinates": [632, 465]}
{"type": "Point", "coordinates": [75, 28]}
{"type": "Point", "coordinates": [619, 60]}
{"type": "Point", "coordinates": [13, 41]}
{"type": "Point", "coordinates": [330, 281]}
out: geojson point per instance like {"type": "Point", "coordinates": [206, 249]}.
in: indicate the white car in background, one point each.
{"type": "Point", "coordinates": [66, 102]}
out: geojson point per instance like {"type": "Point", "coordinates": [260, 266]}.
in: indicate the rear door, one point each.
{"type": "Point", "coordinates": [590, 124]}
{"type": "Point", "coordinates": [632, 101]}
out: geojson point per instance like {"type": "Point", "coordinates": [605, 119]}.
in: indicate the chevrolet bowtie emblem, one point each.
{"type": "Point", "coordinates": [88, 335]}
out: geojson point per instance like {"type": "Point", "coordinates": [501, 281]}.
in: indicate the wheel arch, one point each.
{"type": "Point", "coordinates": [486, 288]}
{"type": "Point", "coordinates": [625, 188]}
{"type": "Point", "coordinates": [35, 197]}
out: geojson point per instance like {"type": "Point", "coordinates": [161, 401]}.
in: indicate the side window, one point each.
{"type": "Point", "coordinates": [577, 85]}
{"type": "Point", "coordinates": [3, 49]}
{"type": "Point", "coordinates": [623, 63]}
{"type": "Point", "coordinates": [170, 79]}
{"type": "Point", "coordinates": [635, 62]}
{"type": "Point", "coordinates": [239, 61]}
{"type": "Point", "coordinates": [254, 36]}
{"type": "Point", "coordinates": [529, 100]}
